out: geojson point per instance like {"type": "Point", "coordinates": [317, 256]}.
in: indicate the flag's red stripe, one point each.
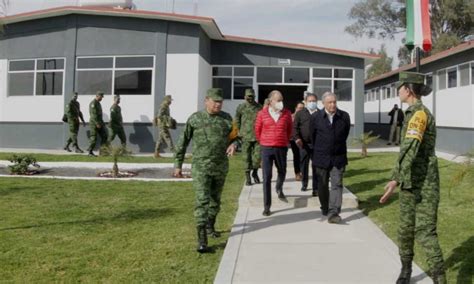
{"type": "Point", "coordinates": [425, 23]}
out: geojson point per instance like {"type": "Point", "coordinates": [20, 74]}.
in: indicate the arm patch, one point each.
{"type": "Point", "coordinates": [417, 126]}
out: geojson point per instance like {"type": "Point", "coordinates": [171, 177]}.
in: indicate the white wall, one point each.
{"type": "Point", "coordinates": [386, 106]}
{"type": "Point", "coordinates": [371, 112]}
{"type": "Point", "coordinates": [204, 82]}
{"type": "Point", "coordinates": [455, 106]}
{"type": "Point", "coordinates": [182, 83]}
{"type": "Point", "coordinates": [27, 108]}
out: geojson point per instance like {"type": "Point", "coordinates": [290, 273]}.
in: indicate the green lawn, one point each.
{"type": "Point", "coordinates": [367, 177]}
{"type": "Point", "coordinates": [93, 231]}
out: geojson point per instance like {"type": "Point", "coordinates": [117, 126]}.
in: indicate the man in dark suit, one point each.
{"type": "Point", "coordinates": [302, 135]}
{"type": "Point", "coordinates": [331, 128]}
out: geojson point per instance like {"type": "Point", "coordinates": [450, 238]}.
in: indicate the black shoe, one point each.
{"type": "Point", "coordinates": [405, 273]}
{"type": "Point", "coordinates": [202, 240]}
{"type": "Point", "coordinates": [389, 143]}
{"type": "Point", "coordinates": [315, 193]}
{"type": "Point", "coordinates": [324, 212]}
{"type": "Point", "coordinates": [396, 144]}
{"type": "Point", "coordinates": [334, 219]}
{"type": "Point", "coordinates": [248, 181]}
{"type": "Point", "coordinates": [211, 231]}
{"type": "Point", "coordinates": [256, 179]}
{"type": "Point", "coordinates": [91, 154]}
{"type": "Point", "coordinates": [281, 195]}
{"type": "Point", "coordinates": [303, 188]}
{"type": "Point", "coordinates": [266, 212]}
{"type": "Point", "coordinates": [78, 150]}
{"type": "Point", "coordinates": [67, 148]}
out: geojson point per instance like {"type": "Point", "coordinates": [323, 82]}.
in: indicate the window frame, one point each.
{"type": "Point", "coordinates": [232, 77]}
{"type": "Point", "coordinates": [333, 79]}
{"type": "Point", "coordinates": [114, 69]}
{"type": "Point", "coordinates": [35, 71]}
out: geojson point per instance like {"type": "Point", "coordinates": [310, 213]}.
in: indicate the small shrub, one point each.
{"type": "Point", "coordinates": [365, 140]}
{"type": "Point", "coordinates": [115, 152]}
{"type": "Point", "coordinates": [21, 164]}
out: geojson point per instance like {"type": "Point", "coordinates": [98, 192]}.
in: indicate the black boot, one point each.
{"type": "Point", "coordinates": [202, 240]}
{"type": "Point", "coordinates": [256, 179]}
{"type": "Point", "coordinates": [67, 147]}
{"type": "Point", "coordinates": [248, 181]}
{"type": "Point", "coordinates": [405, 273]}
{"type": "Point", "coordinates": [439, 277]}
{"type": "Point", "coordinates": [91, 154]}
{"type": "Point", "coordinates": [78, 150]}
{"type": "Point", "coordinates": [211, 231]}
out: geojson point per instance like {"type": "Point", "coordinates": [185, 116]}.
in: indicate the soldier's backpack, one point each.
{"type": "Point", "coordinates": [64, 119]}
{"type": "Point", "coordinates": [172, 123]}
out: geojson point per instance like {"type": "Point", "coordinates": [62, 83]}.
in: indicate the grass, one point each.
{"type": "Point", "coordinates": [92, 231]}
{"type": "Point", "coordinates": [367, 177]}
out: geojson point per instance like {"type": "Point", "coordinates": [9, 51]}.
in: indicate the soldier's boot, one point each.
{"type": "Point", "coordinates": [256, 179]}
{"type": "Point", "coordinates": [67, 147]}
{"type": "Point", "coordinates": [439, 277]}
{"type": "Point", "coordinates": [78, 150]}
{"type": "Point", "coordinates": [405, 273]}
{"type": "Point", "coordinates": [91, 154]}
{"type": "Point", "coordinates": [202, 240]}
{"type": "Point", "coordinates": [157, 155]}
{"type": "Point", "coordinates": [248, 181]}
{"type": "Point", "coordinates": [211, 230]}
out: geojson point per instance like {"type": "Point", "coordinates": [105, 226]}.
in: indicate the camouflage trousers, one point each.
{"type": "Point", "coordinates": [208, 190]}
{"type": "Point", "coordinates": [117, 131]}
{"type": "Point", "coordinates": [251, 150]}
{"type": "Point", "coordinates": [73, 131]}
{"type": "Point", "coordinates": [164, 137]}
{"type": "Point", "coordinates": [93, 136]}
{"type": "Point", "coordinates": [418, 217]}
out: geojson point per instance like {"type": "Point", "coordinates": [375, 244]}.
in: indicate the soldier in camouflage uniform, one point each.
{"type": "Point", "coordinates": [417, 174]}
{"type": "Point", "coordinates": [96, 123]}
{"type": "Point", "coordinates": [116, 122]}
{"type": "Point", "coordinates": [245, 120]}
{"type": "Point", "coordinates": [164, 121]}
{"type": "Point", "coordinates": [213, 135]}
{"type": "Point", "coordinates": [73, 114]}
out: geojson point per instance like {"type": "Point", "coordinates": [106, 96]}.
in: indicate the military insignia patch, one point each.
{"type": "Point", "coordinates": [417, 126]}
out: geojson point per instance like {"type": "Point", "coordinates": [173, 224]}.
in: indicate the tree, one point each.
{"type": "Point", "coordinates": [365, 139]}
{"type": "Point", "coordinates": [384, 19]}
{"type": "Point", "coordinates": [381, 65]}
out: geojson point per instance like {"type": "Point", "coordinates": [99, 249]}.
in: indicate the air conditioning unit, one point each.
{"type": "Point", "coordinates": [127, 4]}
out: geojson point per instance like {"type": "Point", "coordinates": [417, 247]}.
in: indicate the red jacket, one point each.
{"type": "Point", "coordinates": [270, 133]}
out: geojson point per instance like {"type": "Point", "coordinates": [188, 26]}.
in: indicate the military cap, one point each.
{"type": "Point", "coordinates": [168, 98]}
{"type": "Point", "coordinates": [249, 93]}
{"type": "Point", "coordinates": [414, 78]}
{"type": "Point", "coordinates": [216, 94]}
{"type": "Point", "coordinates": [99, 93]}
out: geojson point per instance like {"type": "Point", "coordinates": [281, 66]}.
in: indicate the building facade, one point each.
{"type": "Point", "coordinates": [47, 55]}
{"type": "Point", "coordinates": [451, 76]}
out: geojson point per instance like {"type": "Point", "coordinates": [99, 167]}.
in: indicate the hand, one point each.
{"type": "Point", "coordinates": [231, 150]}
{"type": "Point", "coordinates": [177, 173]}
{"type": "Point", "coordinates": [98, 125]}
{"type": "Point", "coordinates": [299, 142]}
{"type": "Point", "coordinates": [389, 189]}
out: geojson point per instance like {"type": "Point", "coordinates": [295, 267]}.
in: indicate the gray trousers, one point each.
{"type": "Point", "coordinates": [394, 131]}
{"type": "Point", "coordinates": [331, 200]}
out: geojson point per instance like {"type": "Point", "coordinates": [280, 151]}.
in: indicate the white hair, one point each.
{"type": "Point", "coordinates": [328, 94]}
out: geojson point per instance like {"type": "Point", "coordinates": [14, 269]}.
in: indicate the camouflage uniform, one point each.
{"type": "Point", "coordinates": [417, 173]}
{"type": "Point", "coordinates": [211, 137]}
{"type": "Point", "coordinates": [73, 113]}
{"type": "Point", "coordinates": [245, 120]}
{"type": "Point", "coordinates": [163, 121]}
{"type": "Point", "coordinates": [95, 111]}
{"type": "Point", "coordinates": [116, 125]}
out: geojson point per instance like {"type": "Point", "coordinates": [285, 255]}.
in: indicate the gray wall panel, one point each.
{"type": "Point", "coordinates": [205, 46]}
{"type": "Point", "coordinates": [183, 38]}
{"type": "Point", "coordinates": [454, 140]}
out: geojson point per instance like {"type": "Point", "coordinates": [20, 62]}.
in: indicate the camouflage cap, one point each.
{"type": "Point", "coordinates": [414, 78]}
{"type": "Point", "coordinates": [168, 98]}
{"type": "Point", "coordinates": [249, 93]}
{"type": "Point", "coordinates": [99, 93]}
{"type": "Point", "coordinates": [216, 94]}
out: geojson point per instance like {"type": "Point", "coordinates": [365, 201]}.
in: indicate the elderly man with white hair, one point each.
{"type": "Point", "coordinates": [331, 128]}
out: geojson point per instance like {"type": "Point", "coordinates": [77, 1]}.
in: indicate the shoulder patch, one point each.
{"type": "Point", "coordinates": [417, 126]}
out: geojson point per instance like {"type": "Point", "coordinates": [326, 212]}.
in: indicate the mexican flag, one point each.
{"type": "Point", "coordinates": [418, 25]}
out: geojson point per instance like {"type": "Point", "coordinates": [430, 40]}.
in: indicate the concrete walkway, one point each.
{"type": "Point", "coordinates": [296, 244]}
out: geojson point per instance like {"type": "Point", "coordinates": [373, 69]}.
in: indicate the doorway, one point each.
{"type": "Point", "coordinates": [291, 94]}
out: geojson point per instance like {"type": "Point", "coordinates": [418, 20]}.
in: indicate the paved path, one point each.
{"type": "Point", "coordinates": [296, 244]}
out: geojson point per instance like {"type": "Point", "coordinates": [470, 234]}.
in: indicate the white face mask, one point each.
{"type": "Point", "coordinates": [312, 105]}
{"type": "Point", "coordinates": [279, 106]}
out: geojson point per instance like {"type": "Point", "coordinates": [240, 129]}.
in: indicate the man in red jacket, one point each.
{"type": "Point", "coordinates": [273, 128]}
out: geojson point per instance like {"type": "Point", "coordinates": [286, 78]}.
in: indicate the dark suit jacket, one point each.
{"type": "Point", "coordinates": [400, 116]}
{"type": "Point", "coordinates": [302, 128]}
{"type": "Point", "coordinates": [329, 140]}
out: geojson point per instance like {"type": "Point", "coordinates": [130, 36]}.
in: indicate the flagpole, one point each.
{"type": "Point", "coordinates": [418, 55]}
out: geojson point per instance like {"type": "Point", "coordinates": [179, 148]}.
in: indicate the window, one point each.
{"type": "Point", "coordinates": [429, 80]}
{"type": "Point", "coordinates": [388, 93]}
{"type": "Point", "coordinates": [124, 75]}
{"type": "Point", "coordinates": [343, 90]}
{"type": "Point", "coordinates": [442, 79]}
{"type": "Point", "coordinates": [472, 73]}
{"type": "Point", "coordinates": [322, 73]}
{"type": "Point", "coordinates": [452, 78]}
{"type": "Point", "coordinates": [36, 77]}
{"type": "Point", "coordinates": [464, 74]}
{"type": "Point", "coordinates": [269, 75]}
{"type": "Point", "coordinates": [343, 73]}
{"type": "Point", "coordinates": [321, 86]}
{"type": "Point", "coordinates": [233, 80]}
{"type": "Point", "coordinates": [296, 75]}
{"type": "Point", "coordinates": [337, 80]}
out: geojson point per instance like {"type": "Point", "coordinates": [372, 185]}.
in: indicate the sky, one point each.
{"type": "Point", "coordinates": [314, 22]}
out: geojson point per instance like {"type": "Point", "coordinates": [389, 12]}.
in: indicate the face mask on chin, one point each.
{"type": "Point", "coordinates": [278, 106]}
{"type": "Point", "coordinates": [312, 105]}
